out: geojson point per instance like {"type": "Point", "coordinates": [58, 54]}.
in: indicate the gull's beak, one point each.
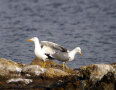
{"type": "Point", "coordinates": [80, 53]}
{"type": "Point", "coordinates": [29, 40]}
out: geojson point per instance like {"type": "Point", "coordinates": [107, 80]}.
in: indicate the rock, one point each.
{"type": "Point", "coordinates": [21, 80]}
{"type": "Point", "coordinates": [54, 73]}
{"type": "Point", "coordinates": [94, 75]}
{"type": "Point", "coordinates": [8, 67]}
{"type": "Point", "coordinates": [51, 70]}
{"type": "Point", "coordinates": [51, 64]}
{"type": "Point", "coordinates": [99, 71]}
{"type": "Point", "coordinates": [35, 70]}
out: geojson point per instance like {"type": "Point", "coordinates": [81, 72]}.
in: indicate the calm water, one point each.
{"type": "Point", "coordinates": [90, 24]}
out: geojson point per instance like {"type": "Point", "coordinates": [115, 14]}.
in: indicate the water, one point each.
{"type": "Point", "coordinates": [90, 24]}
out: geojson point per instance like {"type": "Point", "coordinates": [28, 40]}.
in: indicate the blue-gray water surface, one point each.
{"type": "Point", "coordinates": [89, 24]}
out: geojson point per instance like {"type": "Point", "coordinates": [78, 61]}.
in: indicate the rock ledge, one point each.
{"type": "Point", "coordinates": [20, 76]}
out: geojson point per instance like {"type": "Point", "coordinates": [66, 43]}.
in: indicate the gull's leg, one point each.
{"type": "Point", "coordinates": [44, 64]}
{"type": "Point", "coordinates": [63, 65]}
{"type": "Point", "coordinates": [66, 66]}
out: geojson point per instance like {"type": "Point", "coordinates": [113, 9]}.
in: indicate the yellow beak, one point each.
{"type": "Point", "coordinates": [80, 53]}
{"type": "Point", "coordinates": [29, 40]}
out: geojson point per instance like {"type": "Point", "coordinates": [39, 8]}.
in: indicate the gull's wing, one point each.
{"type": "Point", "coordinates": [54, 46]}
{"type": "Point", "coordinates": [61, 56]}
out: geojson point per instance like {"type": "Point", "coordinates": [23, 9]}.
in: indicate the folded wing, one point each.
{"type": "Point", "coordinates": [61, 56]}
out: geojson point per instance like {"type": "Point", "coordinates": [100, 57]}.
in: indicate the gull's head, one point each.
{"type": "Point", "coordinates": [78, 49]}
{"type": "Point", "coordinates": [34, 39]}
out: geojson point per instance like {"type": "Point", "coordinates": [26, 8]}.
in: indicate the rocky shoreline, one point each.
{"type": "Point", "coordinates": [15, 75]}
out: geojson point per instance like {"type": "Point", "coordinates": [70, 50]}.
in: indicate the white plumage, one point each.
{"type": "Point", "coordinates": [45, 49]}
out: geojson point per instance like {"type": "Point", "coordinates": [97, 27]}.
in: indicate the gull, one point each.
{"type": "Point", "coordinates": [45, 49]}
{"type": "Point", "coordinates": [67, 56]}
